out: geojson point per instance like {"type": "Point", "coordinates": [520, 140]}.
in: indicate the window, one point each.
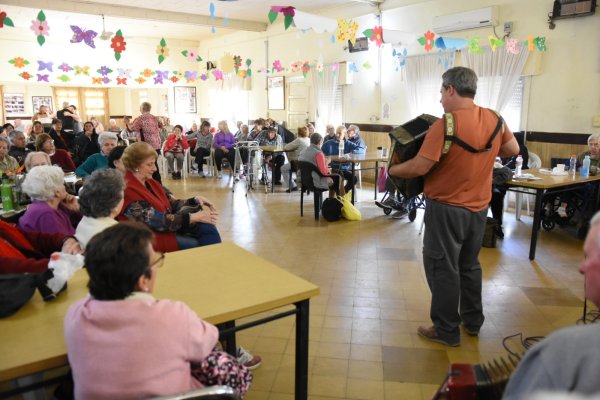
{"type": "Point", "coordinates": [94, 103]}
{"type": "Point", "coordinates": [89, 102]}
{"type": "Point", "coordinates": [66, 95]}
{"type": "Point", "coordinates": [512, 111]}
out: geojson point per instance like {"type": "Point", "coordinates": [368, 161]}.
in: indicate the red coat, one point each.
{"type": "Point", "coordinates": [63, 159]}
{"type": "Point", "coordinates": [22, 251]}
{"type": "Point", "coordinates": [136, 191]}
{"type": "Point", "coordinates": [172, 141]}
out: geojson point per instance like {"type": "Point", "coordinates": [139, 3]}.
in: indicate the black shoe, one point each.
{"type": "Point", "coordinates": [499, 232]}
{"type": "Point", "coordinates": [178, 174]}
{"type": "Point", "coordinates": [294, 189]}
{"type": "Point", "coordinates": [278, 183]}
{"type": "Point", "coordinates": [174, 175]}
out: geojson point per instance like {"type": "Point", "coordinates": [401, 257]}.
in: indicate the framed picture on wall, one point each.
{"type": "Point", "coordinates": [276, 92]}
{"type": "Point", "coordinates": [185, 99]}
{"type": "Point", "coordinates": [42, 101]}
{"type": "Point", "coordinates": [14, 104]}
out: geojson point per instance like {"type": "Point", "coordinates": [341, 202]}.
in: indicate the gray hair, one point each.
{"type": "Point", "coordinates": [5, 140]}
{"type": "Point", "coordinates": [101, 193]}
{"type": "Point", "coordinates": [593, 136]}
{"type": "Point", "coordinates": [41, 183]}
{"type": "Point", "coordinates": [13, 135]}
{"type": "Point", "coordinates": [29, 158]}
{"type": "Point", "coordinates": [145, 107]}
{"type": "Point", "coordinates": [353, 128]}
{"type": "Point", "coordinates": [104, 136]}
{"type": "Point", "coordinates": [462, 79]}
{"type": "Point", "coordinates": [316, 138]}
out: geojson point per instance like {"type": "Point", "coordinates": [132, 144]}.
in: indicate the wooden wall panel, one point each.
{"type": "Point", "coordinates": [548, 150]}
{"type": "Point", "coordinates": [373, 140]}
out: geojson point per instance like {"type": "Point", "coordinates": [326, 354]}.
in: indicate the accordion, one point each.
{"type": "Point", "coordinates": [407, 140]}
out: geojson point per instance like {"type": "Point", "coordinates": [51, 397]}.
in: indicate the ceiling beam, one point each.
{"type": "Point", "coordinates": [145, 14]}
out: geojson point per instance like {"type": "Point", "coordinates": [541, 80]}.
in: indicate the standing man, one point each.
{"type": "Point", "coordinates": [66, 117]}
{"type": "Point", "coordinates": [148, 127]}
{"type": "Point", "coordinates": [458, 192]}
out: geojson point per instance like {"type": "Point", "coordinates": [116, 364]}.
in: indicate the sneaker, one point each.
{"type": "Point", "coordinates": [219, 174]}
{"type": "Point", "coordinates": [431, 335]}
{"type": "Point", "coordinates": [201, 173]}
{"type": "Point", "coordinates": [470, 331]}
{"type": "Point", "coordinates": [399, 214]}
{"type": "Point", "coordinates": [388, 203]}
{"type": "Point", "coordinates": [247, 359]}
{"type": "Point", "coordinates": [294, 189]}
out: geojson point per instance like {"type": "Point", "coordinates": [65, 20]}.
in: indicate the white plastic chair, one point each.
{"type": "Point", "coordinates": [186, 164]}
{"type": "Point", "coordinates": [534, 162]}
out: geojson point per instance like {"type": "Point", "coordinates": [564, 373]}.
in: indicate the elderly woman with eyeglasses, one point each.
{"type": "Point", "coordinates": [107, 142]}
{"type": "Point", "coordinates": [52, 209]}
{"type": "Point", "coordinates": [60, 157]}
{"type": "Point", "coordinates": [8, 164]}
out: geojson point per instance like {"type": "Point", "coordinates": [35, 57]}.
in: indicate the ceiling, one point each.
{"type": "Point", "coordinates": [184, 19]}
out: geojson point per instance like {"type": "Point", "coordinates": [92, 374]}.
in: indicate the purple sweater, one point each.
{"type": "Point", "coordinates": [40, 217]}
{"type": "Point", "coordinates": [224, 139]}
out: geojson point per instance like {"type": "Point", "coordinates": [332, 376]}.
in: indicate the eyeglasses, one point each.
{"type": "Point", "coordinates": [159, 261]}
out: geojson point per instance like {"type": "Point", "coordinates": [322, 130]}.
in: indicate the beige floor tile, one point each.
{"type": "Point", "coordinates": [401, 391]}
{"type": "Point", "coordinates": [365, 389]}
{"type": "Point", "coordinates": [327, 386]}
{"type": "Point", "coordinates": [330, 367]}
{"type": "Point", "coordinates": [370, 370]}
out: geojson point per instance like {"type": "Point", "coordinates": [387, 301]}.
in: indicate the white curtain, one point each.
{"type": "Point", "coordinates": [228, 100]}
{"type": "Point", "coordinates": [423, 77]}
{"type": "Point", "coordinates": [498, 72]}
{"type": "Point", "coordinates": [326, 100]}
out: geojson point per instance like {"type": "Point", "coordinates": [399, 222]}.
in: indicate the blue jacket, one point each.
{"type": "Point", "coordinates": [93, 162]}
{"type": "Point", "coordinates": [331, 148]}
{"type": "Point", "coordinates": [361, 147]}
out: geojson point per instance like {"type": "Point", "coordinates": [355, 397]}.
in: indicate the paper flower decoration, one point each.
{"type": "Point", "coordinates": [40, 27]}
{"type": "Point", "coordinates": [147, 73]}
{"type": "Point", "coordinates": [104, 70]}
{"type": "Point", "coordinates": [191, 76]}
{"type": "Point", "coordinates": [427, 40]}
{"type": "Point", "coordinates": [42, 77]}
{"type": "Point", "coordinates": [218, 74]}
{"type": "Point", "coordinates": [203, 77]}
{"type": "Point", "coordinates": [64, 67]}
{"type": "Point", "coordinates": [248, 72]}
{"type": "Point", "coordinates": [81, 35]}
{"type": "Point", "coordinates": [4, 20]}
{"type": "Point", "coordinates": [277, 66]}
{"type": "Point", "coordinates": [18, 62]}
{"type": "Point", "coordinates": [512, 46]}
{"type": "Point", "coordinates": [399, 58]}
{"type": "Point", "coordinates": [96, 80]}
{"type": "Point", "coordinates": [25, 75]}
{"type": "Point", "coordinates": [140, 80]}
{"type": "Point", "coordinates": [82, 70]}
{"type": "Point", "coordinates": [241, 73]}
{"type": "Point", "coordinates": [375, 35]}
{"type": "Point", "coordinates": [495, 42]}
{"type": "Point", "coordinates": [191, 55]}
{"type": "Point", "coordinates": [237, 63]}
{"type": "Point", "coordinates": [540, 43]}
{"type": "Point", "coordinates": [335, 67]}
{"type": "Point", "coordinates": [124, 73]}
{"type": "Point", "coordinates": [45, 65]}
{"type": "Point", "coordinates": [474, 47]}
{"type": "Point", "coordinates": [346, 30]}
{"type": "Point", "coordinates": [105, 80]}
{"type": "Point", "coordinates": [305, 68]}
{"type": "Point", "coordinates": [352, 67]}
{"type": "Point", "coordinates": [162, 50]}
{"type": "Point", "coordinates": [63, 78]}
{"type": "Point", "coordinates": [367, 65]}
{"type": "Point", "coordinates": [121, 81]}
{"type": "Point", "coordinates": [117, 43]}
{"type": "Point", "coordinates": [288, 13]}
{"type": "Point", "coordinates": [174, 79]}
{"type": "Point", "coordinates": [319, 69]}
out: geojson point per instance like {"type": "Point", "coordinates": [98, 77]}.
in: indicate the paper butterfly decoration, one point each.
{"type": "Point", "coordinates": [96, 80]}
{"type": "Point", "coordinates": [41, 77]}
{"type": "Point", "coordinates": [163, 74]}
{"type": "Point", "coordinates": [45, 65]}
{"type": "Point", "coordinates": [399, 58]}
{"type": "Point", "coordinates": [82, 70]}
{"type": "Point", "coordinates": [529, 43]}
{"type": "Point", "coordinates": [277, 66]}
{"type": "Point", "coordinates": [346, 30]}
{"type": "Point", "coordinates": [81, 35]}
{"type": "Point", "coordinates": [474, 47]}
{"type": "Point", "coordinates": [19, 62]}
{"type": "Point", "coordinates": [540, 43]}
{"type": "Point", "coordinates": [218, 74]}
{"type": "Point", "coordinates": [191, 76]}
{"type": "Point", "coordinates": [121, 81]}
{"type": "Point", "coordinates": [352, 67]}
{"type": "Point", "coordinates": [124, 73]}
{"type": "Point", "coordinates": [512, 46]}
{"type": "Point", "coordinates": [495, 42]}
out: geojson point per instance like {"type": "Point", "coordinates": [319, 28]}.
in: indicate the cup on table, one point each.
{"type": "Point", "coordinates": [380, 152]}
{"type": "Point", "coordinates": [560, 167]}
{"type": "Point", "coordinates": [384, 152]}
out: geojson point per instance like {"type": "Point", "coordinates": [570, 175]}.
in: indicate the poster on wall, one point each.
{"type": "Point", "coordinates": [276, 92]}
{"type": "Point", "coordinates": [42, 101]}
{"type": "Point", "coordinates": [185, 99]}
{"type": "Point", "coordinates": [14, 104]}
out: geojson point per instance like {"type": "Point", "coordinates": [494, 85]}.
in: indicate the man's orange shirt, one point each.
{"type": "Point", "coordinates": [461, 178]}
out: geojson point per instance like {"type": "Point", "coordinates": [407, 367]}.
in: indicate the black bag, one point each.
{"type": "Point", "coordinates": [331, 209]}
{"type": "Point", "coordinates": [17, 289]}
{"type": "Point", "coordinates": [489, 235]}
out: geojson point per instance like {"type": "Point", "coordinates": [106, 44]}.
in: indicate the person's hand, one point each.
{"type": "Point", "coordinates": [203, 201]}
{"type": "Point", "coordinates": [71, 246]}
{"type": "Point", "coordinates": [395, 159]}
{"type": "Point", "coordinates": [206, 216]}
{"type": "Point", "coordinates": [70, 202]}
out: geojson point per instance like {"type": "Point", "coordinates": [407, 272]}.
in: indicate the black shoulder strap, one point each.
{"type": "Point", "coordinates": [451, 138]}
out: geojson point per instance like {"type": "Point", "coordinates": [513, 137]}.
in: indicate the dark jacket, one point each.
{"type": "Point", "coordinates": [85, 147]}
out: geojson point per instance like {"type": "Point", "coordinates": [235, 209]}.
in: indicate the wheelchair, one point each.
{"type": "Point", "coordinates": [411, 205]}
{"type": "Point", "coordinates": [565, 208]}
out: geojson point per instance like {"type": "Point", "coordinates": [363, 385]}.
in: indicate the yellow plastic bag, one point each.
{"type": "Point", "coordinates": [349, 212]}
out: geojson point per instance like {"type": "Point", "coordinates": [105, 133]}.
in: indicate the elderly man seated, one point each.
{"type": "Point", "coordinates": [567, 360]}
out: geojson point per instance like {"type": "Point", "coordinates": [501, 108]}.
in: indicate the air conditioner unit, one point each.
{"type": "Point", "coordinates": [466, 20]}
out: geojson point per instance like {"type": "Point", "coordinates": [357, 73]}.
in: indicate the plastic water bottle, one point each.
{"type": "Point", "coordinates": [584, 171]}
{"type": "Point", "coordinates": [7, 194]}
{"type": "Point", "coordinates": [341, 148]}
{"type": "Point", "coordinates": [573, 165]}
{"type": "Point", "coordinates": [518, 165]}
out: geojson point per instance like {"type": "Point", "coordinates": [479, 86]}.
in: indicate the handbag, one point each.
{"type": "Point", "coordinates": [382, 180]}
{"type": "Point", "coordinates": [17, 289]}
{"type": "Point", "coordinates": [331, 209]}
{"type": "Point", "coordinates": [349, 212]}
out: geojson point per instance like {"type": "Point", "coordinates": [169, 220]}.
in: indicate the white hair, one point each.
{"type": "Point", "coordinates": [104, 136]}
{"type": "Point", "coordinates": [594, 136]}
{"type": "Point", "coordinates": [41, 183]}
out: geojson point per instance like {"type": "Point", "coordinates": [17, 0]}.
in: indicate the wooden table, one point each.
{"type": "Point", "coordinates": [360, 158]}
{"type": "Point", "coordinates": [541, 186]}
{"type": "Point", "coordinates": [221, 283]}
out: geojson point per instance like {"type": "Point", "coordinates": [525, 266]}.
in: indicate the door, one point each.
{"type": "Point", "coordinates": [297, 103]}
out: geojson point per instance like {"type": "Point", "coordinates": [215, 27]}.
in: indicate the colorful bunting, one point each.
{"type": "Point", "coordinates": [4, 20]}
{"type": "Point", "coordinates": [495, 42]}
{"type": "Point", "coordinates": [474, 47]}
{"type": "Point", "coordinates": [540, 43]}
{"type": "Point", "coordinates": [162, 50]}
{"type": "Point", "coordinates": [288, 13]}
{"type": "Point", "coordinates": [18, 62]}
{"type": "Point", "coordinates": [40, 27]}
{"type": "Point", "coordinates": [117, 43]}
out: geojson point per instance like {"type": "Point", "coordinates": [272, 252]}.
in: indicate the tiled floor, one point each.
{"type": "Point", "coordinates": [363, 341]}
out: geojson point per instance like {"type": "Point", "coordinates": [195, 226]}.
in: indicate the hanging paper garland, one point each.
{"type": "Point", "coordinates": [140, 80]}
{"type": "Point", "coordinates": [375, 35]}
{"type": "Point", "coordinates": [277, 66]}
{"type": "Point", "coordinates": [346, 30]}
{"type": "Point", "coordinates": [40, 27]}
{"type": "Point", "coordinates": [25, 75]}
{"type": "Point", "coordinates": [162, 50]}
{"type": "Point", "coordinates": [4, 20]}
{"type": "Point", "coordinates": [117, 43]}
{"type": "Point", "coordinates": [42, 77]}
{"type": "Point", "coordinates": [82, 70]}
{"type": "Point", "coordinates": [191, 55]}
{"type": "Point", "coordinates": [63, 78]}
{"type": "Point", "coordinates": [18, 62]}
{"type": "Point", "coordinates": [237, 63]}
{"type": "Point", "coordinates": [288, 13]}
{"type": "Point", "coordinates": [495, 42]}
{"type": "Point", "coordinates": [45, 65]}
{"type": "Point", "coordinates": [104, 70]}
{"type": "Point", "coordinates": [64, 67]}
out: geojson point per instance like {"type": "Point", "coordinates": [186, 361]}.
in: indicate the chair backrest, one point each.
{"type": "Point", "coordinates": [534, 161]}
{"type": "Point", "coordinates": [208, 393]}
{"type": "Point", "coordinates": [306, 170]}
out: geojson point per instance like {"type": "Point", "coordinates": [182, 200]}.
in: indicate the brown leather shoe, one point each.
{"type": "Point", "coordinates": [431, 335]}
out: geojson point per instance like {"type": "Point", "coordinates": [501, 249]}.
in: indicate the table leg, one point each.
{"type": "Point", "coordinates": [353, 186]}
{"type": "Point", "coordinates": [301, 388]}
{"type": "Point", "coordinates": [376, 178]}
{"type": "Point", "coordinates": [537, 219]}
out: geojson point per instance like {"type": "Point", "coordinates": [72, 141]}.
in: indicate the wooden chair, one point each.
{"type": "Point", "coordinates": [308, 186]}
